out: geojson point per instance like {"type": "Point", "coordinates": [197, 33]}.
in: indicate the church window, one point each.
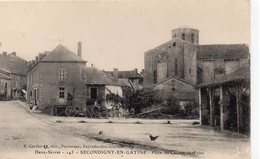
{"type": "Point", "coordinates": [183, 36]}
{"type": "Point", "coordinates": [154, 76]}
{"type": "Point", "coordinates": [192, 38]}
{"type": "Point", "coordinates": [176, 67]}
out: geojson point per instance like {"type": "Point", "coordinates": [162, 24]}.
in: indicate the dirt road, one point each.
{"type": "Point", "coordinates": [24, 133]}
{"type": "Point", "coordinates": [25, 136]}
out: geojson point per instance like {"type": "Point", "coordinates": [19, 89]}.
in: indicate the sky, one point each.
{"type": "Point", "coordinates": [115, 34]}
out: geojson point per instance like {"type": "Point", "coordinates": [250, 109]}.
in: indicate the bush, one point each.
{"type": "Point", "coordinates": [172, 106]}
{"type": "Point", "coordinates": [142, 98]}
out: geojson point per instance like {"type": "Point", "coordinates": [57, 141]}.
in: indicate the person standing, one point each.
{"type": "Point", "coordinates": [69, 99]}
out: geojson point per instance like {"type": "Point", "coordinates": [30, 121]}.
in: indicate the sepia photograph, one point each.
{"type": "Point", "coordinates": [125, 79]}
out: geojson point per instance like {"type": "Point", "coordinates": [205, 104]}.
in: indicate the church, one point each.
{"type": "Point", "coordinates": [175, 67]}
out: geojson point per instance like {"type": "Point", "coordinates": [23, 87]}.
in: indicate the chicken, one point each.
{"type": "Point", "coordinates": [153, 138]}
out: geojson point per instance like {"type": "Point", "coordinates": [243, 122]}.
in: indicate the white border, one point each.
{"type": "Point", "coordinates": [255, 74]}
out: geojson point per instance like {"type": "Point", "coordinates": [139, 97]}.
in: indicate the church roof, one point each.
{"type": "Point", "coordinates": [62, 54]}
{"type": "Point", "coordinates": [223, 51]}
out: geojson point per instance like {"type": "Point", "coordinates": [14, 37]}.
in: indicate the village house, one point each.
{"type": "Point", "coordinates": [131, 78]}
{"type": "Point", "coordinates": [53, 75]}
{"type": "Point", "coordinates": [177, 66]}
{"type": "Point", "coordinates": [5, 84]}
{"type": "Point", "coordinates": [15, 67]}
{"type": "Point", "coordinates": [99, 85]}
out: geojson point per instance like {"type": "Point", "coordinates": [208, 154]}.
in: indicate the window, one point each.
{"type": "Point", "coordinates": [154, 76]}
{"type": "Point", "coordinates": [176, 67]}
{"type": "Point", "coordinates": [174, 44]}
{"type": "Point", "coordinates": [175, 36]}
{"type": "Point", "coordinates": [231, 65]}
{"type": "Point", "coordinates": [173, 85]}
{"type": "Point", "coordinates": [93, 93]}
{"type": "Point", "coordinates": [192, 38]}
{"type": "Point", "coordinates": [62, 92]}
{"type": "Point", "coordinates": [190, 71]}
{"type": "Point", "coordinates": [62, 75]}
{"type": "Point", "coordinates": [183, 36]}
{"type": "Point", "coordinates": [5, 89]}
{"type": "Point", "coordinates": [31, 79]}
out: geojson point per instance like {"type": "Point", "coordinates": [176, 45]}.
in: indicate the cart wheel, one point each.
{"type": "Point", "coordinates": [96, 115]}
{"type": "Point", "coordinates": [89, 113]}
{"type": "Point", "coordinates": [105, 114]}
{"type": "Point", "coordinates": [71, 111]}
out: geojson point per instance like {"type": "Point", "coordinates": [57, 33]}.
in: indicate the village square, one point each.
{"type": "Point", "coordinates": [189, 100]}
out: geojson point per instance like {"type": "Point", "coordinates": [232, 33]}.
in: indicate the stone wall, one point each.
{"type": "Point", "coordinates": [190, 63]}
{"type": "Point", "coordinates": [218, 68]}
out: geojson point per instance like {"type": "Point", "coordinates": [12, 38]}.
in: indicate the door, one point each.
{"type": "Point", "coordinates": [62, 96]}
{"type": "Point", "coordinates": [35, 96]}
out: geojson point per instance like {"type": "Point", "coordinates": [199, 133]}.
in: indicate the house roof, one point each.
{"type": "Point", "coordinates": [243, 74]}
{"type": "Point", "coordinates": [223, 51]}
{"type": "Point", "coordinates": [92, 75]}
{"type": "Point", "coordinates": [126, 74]}
{"type": "Point", "coordinates": [14, 64]}
{"type": "Point", "coordinates": [124, 81]}
{"type": "Point", "coordinates": [129, 74]}
{"type": "Point", "coordinates": [62, 54]}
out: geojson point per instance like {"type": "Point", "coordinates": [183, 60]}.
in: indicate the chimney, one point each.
{"type": "Point", "coordinates": [115, 74]}
{"type": "Point", "coordinates": [14, 53]}
{"type": "Point", "coordinates": [79, 49]}
{"type": "Point", "coordinates": [33, 62]}
{"type": "Point", "coordinates": [4, 54]}
{"type": "Point", "coordinates": [142, 72]}
{"type": "Point", "coordinates": [29, 64]}
{"type": "Point", "coordinates": [136, 71]}
{"type": "Point", "coordinates": [36, 59]}
{"type": "Point", "coordinates": [41, 56]}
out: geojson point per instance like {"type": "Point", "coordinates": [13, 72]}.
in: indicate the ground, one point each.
{"type": "Point", "coordinates": [24, 132]}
